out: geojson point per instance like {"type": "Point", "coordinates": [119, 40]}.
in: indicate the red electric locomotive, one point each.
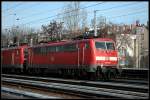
{"type": "Point", "coordinates": [79, 57]}
{"type": "Point", "coordinates": [13, 59]}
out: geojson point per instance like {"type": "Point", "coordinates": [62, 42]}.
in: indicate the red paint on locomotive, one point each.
{"type": "Point", "coordinates": [13, 57]}
{"type": "Point", "coordinates": [74, 54]}
{"type": "Point", "coordinates": [88, 55]}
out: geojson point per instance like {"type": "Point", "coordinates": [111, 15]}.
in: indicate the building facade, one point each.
{"type": "Point", "coordinates": [133, 48]}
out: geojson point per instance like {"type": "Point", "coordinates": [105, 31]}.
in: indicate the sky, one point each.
{"type": "Point", "coordinates": [35, 14]}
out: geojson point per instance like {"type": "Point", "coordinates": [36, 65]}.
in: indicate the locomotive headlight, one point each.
{"type": "Point", "coordinates": [100, 58]}
{"type": "Point", "coordinates": [113, 58]}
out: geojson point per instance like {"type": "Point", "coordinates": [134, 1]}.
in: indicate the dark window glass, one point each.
{"type": "Point", "coordinates": [51, 49]}
{"type": "Point", "coordinates": [41, 50]}
{"type": "Point", "coordinates": [87, 45]}
{"type": "Point", "coordinates": [110, 46]}
{"type": "Point", "coordinates": [59, 48]}
{"type": "Point", "coordinates": [37, 50]}
{"type": "Point", "coordinates": [69, 47]}
{"type": "Point", "coordinates": [44, 51]}
{"type": "Point", "coordinates": [100, 45]}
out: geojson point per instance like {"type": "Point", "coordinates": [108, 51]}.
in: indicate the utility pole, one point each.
{"type": "Point", "coordinates": [95, 28]}
{"type": "Point", "coordinates": [134, 50]}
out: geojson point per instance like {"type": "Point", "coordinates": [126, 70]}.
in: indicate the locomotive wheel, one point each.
{"type": "Point", "coordinates": [12, 70]}
{"type": "Point", "coordinates": [37, 71]}
{"type": "Point", "coordinates": [30, 72]}
{"type": "Point", "coordinates": [63, 73]}
{"type": "Point", "coordinates": [91, 75]}
{"type": "Point", "coordinates": [114, 74]}
{"type": "Point", "coordinates": [18, 71]}
{"type": "Point", "coordinates": [104, 76]}
{"type": "Point", "coordinates": [110, 74]}
{"type": "Point", "coordinates": [99, 75]}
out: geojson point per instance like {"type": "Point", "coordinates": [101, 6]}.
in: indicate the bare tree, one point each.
{"type": "Point", "coordinates": [4, 39]}
{"type": "Point", "coordinates": [17, 34]}
{"type": "Point", "coordinates": [71, 17]}
{"type": "Point", "coordinates": [53, 30]}
{"type": "Point", "coordinates": [84, 19]}
{"type": "Point", "coordinates": [100, 22]}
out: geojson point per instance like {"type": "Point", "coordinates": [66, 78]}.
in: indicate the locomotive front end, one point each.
{"type": "Point", "coordinates": [106, 57]}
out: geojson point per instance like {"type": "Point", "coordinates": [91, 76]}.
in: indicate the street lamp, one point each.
{"type": "Point", "coordinates": [95, 28]}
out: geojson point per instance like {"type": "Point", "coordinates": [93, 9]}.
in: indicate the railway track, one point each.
{"type": "Point", "coordinates": [135, 85]}
{"type": "Point", "coordinates": [86, 89]}
{"type": "Point", "coordinates": [25, 94]}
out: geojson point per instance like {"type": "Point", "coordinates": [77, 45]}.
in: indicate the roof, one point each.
{"type": "Point", "coordinates": [70, 42]}
{"type": "Point", "coordinates": [11, 48]}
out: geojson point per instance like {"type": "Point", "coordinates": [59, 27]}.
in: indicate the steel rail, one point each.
{"type": "Point", "coordinates": [111, 85]}
{"type": "Point", "coordinates": [25, 93]}
{"type": "Point", "coordinates": [87, 90]}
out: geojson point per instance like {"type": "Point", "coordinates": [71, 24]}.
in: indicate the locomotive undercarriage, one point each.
{"type": "Point", "coordinates": [12, 69]}
{"type": "Point", "coordinates": [108, 72]}
{"type": "Point", "coordinates": [83, 72]}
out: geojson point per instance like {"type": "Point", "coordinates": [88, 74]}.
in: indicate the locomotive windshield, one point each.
{"type": "Point", "coordinates": [105, 45]}
{"type": "Point", "coordinates": [110, 46]}
{"type": "Point", "coordinates": [100, 45]}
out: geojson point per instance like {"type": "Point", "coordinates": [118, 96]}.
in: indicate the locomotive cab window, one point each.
{"type": "Point", "coordinates": [105, 45]}
{"type": "Point", "coordinates": [100, 45]}
{"type": "Point", "coordinates": [110, 46]}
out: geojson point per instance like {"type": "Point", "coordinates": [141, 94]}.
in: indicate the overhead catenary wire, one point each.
{"type": "Point", "coordinates": [125, 5]}
{"type": "Point", "coordinates": [92, 11]}
{"type": "Point", "coordinates": [39, 20]}
{"type": "Point", "coordinates": [13, 7]}
{"type": "Point", "coordinates": [111, 17]}
{"type": "Point", "coordinates": [64, 13]}
{"type": "Point", "coordinates": [23, 10]}
{"type": "Point", "coordinates": [40, 13]}
{"type": "Point", "coordinates": [84, 8]}
{"type": "Point", "coordinates": [142, 11]}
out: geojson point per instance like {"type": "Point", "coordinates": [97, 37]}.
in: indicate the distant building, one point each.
{"type": "Point", "coordinates": [142, 41]}
{"type": "Point", "coordinates": [133, 48]}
